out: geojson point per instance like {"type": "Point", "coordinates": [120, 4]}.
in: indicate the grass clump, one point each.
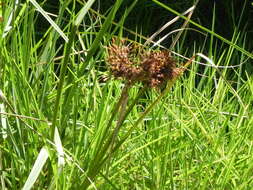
{"type": "Point", "coordinates": [62, 127]}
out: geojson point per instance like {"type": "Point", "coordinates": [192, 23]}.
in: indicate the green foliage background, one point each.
{"type": "Point", "coordinates": [66, 123]}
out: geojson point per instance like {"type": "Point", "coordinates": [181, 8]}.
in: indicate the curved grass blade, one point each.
{"type": "Point", "coordinates": [37, 167]}
{"type": "Point", "coordinates": [54, 25]}
{"type": "Point", "coordinates": [205, 29]}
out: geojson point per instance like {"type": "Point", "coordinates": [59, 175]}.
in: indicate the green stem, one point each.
{"type": "Point", "coordinates": [62, 78]}
{"type": "Point", "coordinates": [102, 155]}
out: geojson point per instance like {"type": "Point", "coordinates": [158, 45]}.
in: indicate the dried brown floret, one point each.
{"type": "Point", "coordinates": [153, 68]}
{"type": "Point", "coordinates": [120, 64]}
{"type": "Point", "coordinates": [158, 68]}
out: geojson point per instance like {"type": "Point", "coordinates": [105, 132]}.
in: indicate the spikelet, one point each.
{"type": "Point", "coordinates": [153, 68]}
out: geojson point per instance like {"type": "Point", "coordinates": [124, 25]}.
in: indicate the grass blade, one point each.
{"type": "Point", "coordinates": [206, 30]}
{"type": "Point", "coordinates": [100, 35]}
{"type": "Point", "coordinates": [37, 167]}
{"type": "Point", "coordinates": [54, 25]}
{"type": "Point", "coordinates": [83, 12]}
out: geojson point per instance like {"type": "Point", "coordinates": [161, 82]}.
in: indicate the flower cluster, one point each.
{"type": "Point", "coordinates": [153, 68]}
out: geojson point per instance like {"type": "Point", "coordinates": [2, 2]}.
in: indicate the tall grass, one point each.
{"type": "Point", "coordinates": [66, 123]}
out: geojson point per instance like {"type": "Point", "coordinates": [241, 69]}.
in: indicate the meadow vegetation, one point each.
{"type": "Point", "coordinates": [90, 101]}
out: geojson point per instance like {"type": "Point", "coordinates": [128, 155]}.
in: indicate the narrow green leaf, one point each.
{"type": "Point", "coordinates": [54, 25]}
{"type": "Point", "coordinates": [100, 35]}
{"type": "Point", "coordinates": [83, 12]}
{"type": "Point", "coordinates": [206, 29]}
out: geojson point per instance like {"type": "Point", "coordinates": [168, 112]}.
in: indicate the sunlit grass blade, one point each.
{"type": "Point", "coordinates": [37, 167]}
{"type": "Point", "coordinates": [83, 12]}
{"type": "Point", "coordinates": [96, 43]}
{"type": "Point", "coordinates": [48, 18]}
{"type": "Point", "coordinates": [206, 30]}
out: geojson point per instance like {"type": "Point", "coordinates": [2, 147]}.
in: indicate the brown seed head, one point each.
{"type": "Point", "coordinates": [158, 68]}
{"type": "Point", "coordinates": [153, 68]}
